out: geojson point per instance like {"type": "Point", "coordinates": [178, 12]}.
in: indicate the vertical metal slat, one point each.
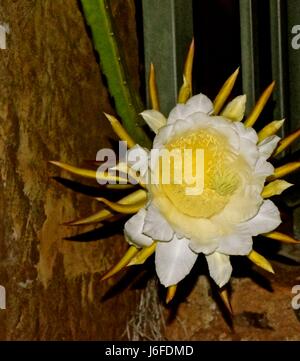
{"type": "Point", "coordinates": [279, 59]}
{"type": "Point", "coordinates": [168, 30]}
{"type": "Point", "coordinates": [293, 16]}
{"type": "Point", "coordinates": [250, 71]}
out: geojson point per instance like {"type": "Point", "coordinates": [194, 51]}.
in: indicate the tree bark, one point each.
{"type": "Point", "coordinates": [51, 104]}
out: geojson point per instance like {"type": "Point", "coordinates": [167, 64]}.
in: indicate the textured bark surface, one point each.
{"type": "Point", "coordinates": [51, 104]}
{"type": "Point", "coordinates": [52, 98]}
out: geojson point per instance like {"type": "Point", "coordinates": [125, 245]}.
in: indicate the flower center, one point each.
{"type": "Point", "coordinates": [201, 173]}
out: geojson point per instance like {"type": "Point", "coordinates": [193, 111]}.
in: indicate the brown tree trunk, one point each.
{"type": "Point", "coordinates": [51, 102]}
{"type": "Point", "coordinates": [52, 97]}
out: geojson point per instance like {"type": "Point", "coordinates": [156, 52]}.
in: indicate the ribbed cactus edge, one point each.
{"type": "Point", "coordinates": [128, 103]}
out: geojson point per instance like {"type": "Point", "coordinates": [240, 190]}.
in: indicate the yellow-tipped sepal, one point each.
{"type": "Point", "coordinates": [154, 119]}
{"type": "Point", "coordinates": [153, 92]}
{"type": "Point", "coordinates": [225, 92]}
{"type": "Point", "coordinates": [131, 252]}
{"type": "Point", "coordinates": [286, 142]}
{"type": "Point", "coordinates": [259, 106]}
{"type": "Point", "coordinates": [102, 215]}
{"type": "Point", "coordinates": [88, 173]}
{"type": "Point", "coordinates": [185, 91]}
{"type": "Point", "coordinates": [275, 188]}
{"type": "Point", "coordinates": [235, 110]}
{"type": "Point", "coordinates": [171, 291]}
{"type": "Point", "coordinates": [270, 129]}
{"type": "Point", "coordinates": [123, 208]}
{"type": "Point", "coordinates": [123, 167]}
{"type": "Point", "coordinates": [260, 261]}
{"type": "Point", "coordinates": [120, 130]}
{"type": "Point", "coordinates": [284, 170]}
{"type": "Point", "coordinates": [281, 237]}
{"type": "Point", "coordinates": [137, 196]}
{"type": "Point", "coordinates": [225, 298]}
{"type": "Point", "coordinates": [143, 255]}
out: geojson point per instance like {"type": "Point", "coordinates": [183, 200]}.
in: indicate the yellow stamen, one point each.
{"type": "Point", "coordinates": [270, 129]}
{"type": "Point", "coordinates": [275, 188]}
{"type": "Point", "coordinates": [285, 142]}
{"type": "Point", "coordinates": [185, 91]}
{"type": "Point", "coordinates": [104, 214]}
{"type": "Point", "coordinates": [120, 131]}
{"type": "Point", "coordinates": [123, 208]}
{"type": "Point", "coordinates": [235, 110]}
{"type": "Point", "coordinates": [225, 298]}
{"type": "Point", "coordinates": [225, 92]}
{"type": "Point", "coordinates": [284, 170]}
{"type": "Point", "coordinates": [131, 252]}
{"type": "Point", "coordinates": [142, 255]}
{"type": "Point", "coordinates": [260, 261]}
{"type": "Point", "coordinates": [278, 236]}
{"type": "Point", "coordinates": [171, 293]}
{"type": "Point", "coordinates": [88, 173]}
{"type": "Point", "coordinates": [219, 183]}
{"type": "Point", "coordinates": [259, 106]}
{"type": "Point", "coordinates": [153, 92]}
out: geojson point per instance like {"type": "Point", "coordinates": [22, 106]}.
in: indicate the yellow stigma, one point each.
{"type": "Point", "coordinates": [219, 178]}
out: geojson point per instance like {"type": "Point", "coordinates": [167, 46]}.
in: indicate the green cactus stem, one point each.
{"type": "Point", "coordinates": [127, 101]}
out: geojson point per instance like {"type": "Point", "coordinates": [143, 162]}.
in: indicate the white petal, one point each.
{"type": "Point", "coordinates": [138, 159]}
{"type": "Point", "coordinates": [238, 243]}
{"type": "Point", "coordinates": [202, 247]}
{"type": "Point", "coordinates": [268, 145]}
{"type": "Point", "coordinates": [176, 113]}
{"type": "Point", "coordinates": [181, 126]}
{"type": "Point", "coordinates": [219, 268]}
{"type": "Point", "coordinates": [198, 103]}
{"type": "Point", "coordinates": [263, 168]}
{"type": "Point", "coordinates": [249, 151]}
{"type": "Point", "coordinates": [133, 230]}
{"type": "Point", "coordinates": [156, 226]}
{"type": "Point", "coordinates": [242, 206]}
{"type": "Point", "coordinates": [174, 260]}
{"type": "Point", "coordinates": [163, 136]}
{"type": "Point", "coordinates": [154, 119]}
{"type": "Point", "coordinates": [248, 133]}
{"type": "Point", "coordinates": [230, 134]}
{"type": "Point", "coordinates": [266, 220]}
{"type": "Point", "coordinates": [235, 110]}
{"type": "Point", "coordinates": [198, 120]}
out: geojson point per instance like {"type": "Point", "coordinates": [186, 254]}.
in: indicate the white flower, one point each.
{"type": "Point", "coordinates": [220, 221]}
